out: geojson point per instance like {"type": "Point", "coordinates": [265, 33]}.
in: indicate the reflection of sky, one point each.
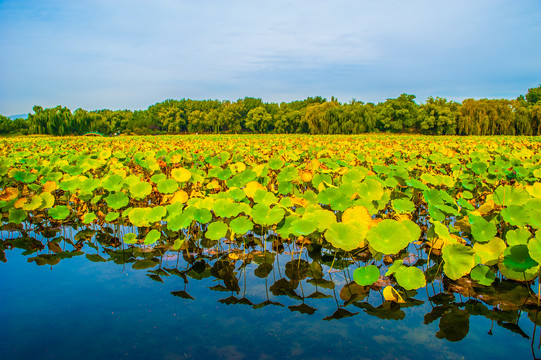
{"type": "Point", "coordinates": [80, 309]}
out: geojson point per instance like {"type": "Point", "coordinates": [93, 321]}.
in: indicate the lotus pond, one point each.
{"type": "Point", "coordinates": [190, 247]}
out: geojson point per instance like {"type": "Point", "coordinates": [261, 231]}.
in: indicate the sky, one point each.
{"type": "Point", "coordinates": [130, 54]}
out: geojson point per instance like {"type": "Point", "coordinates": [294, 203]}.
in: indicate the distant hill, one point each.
{"type": "Point", "coordinates": [13, 117]}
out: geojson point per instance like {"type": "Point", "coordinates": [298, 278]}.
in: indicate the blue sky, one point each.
{"type": "Point", "coordinates": [130, 54]}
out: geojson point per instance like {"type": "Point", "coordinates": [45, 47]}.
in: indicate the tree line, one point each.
{"type": "Point", "coordinates": [313, 115]}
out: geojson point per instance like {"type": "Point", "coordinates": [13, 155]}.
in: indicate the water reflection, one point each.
{"type": "Point", "coordinates": [261, 271]}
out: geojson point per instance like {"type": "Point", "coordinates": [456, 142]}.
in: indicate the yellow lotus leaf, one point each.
{"type": "Point", "coordinates": [49, 186]}
{"type": "Point", "coordinates": [180, 196]}
{"type": "Point", "coordinates": [358, 215]}
{"type": "Point", "coordinates": [213, 185]}
{"type": "Point", "coordinates": [9, 194]}
{"type": "Point", "coordinates": [251, 188]}
{"type": "Point", "coordinates": [299, 202]}
{"type": "Point", "coordinates": [258, 169]}
{"type": "Point", "coordinates": [487, 207]}
{"type": "Point", "coordinates": [390, 294]}
{"type": "Point", "coordinates": [534, 190]}
{"type": "Point", "coordinates": [181, 174]}
{"type": "Point", "coordinates": [176, 158]}
{"type": "Point", "coordinates": [20, 203]}
{"type": "Point", "coordinates": [306, 176]}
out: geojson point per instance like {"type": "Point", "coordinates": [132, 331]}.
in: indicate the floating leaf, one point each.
{"type": "Point", "coordinates": [366, 275]}
{"type": "Point", "coordinates": [390, 294]}
{"type": "Point", "coordinates": [59, 212]}
{"type": "Point", "coordinates": [410, 277]}
{"type": "Point", "coordinates": [152, 236]}
{"type": "Point", "coordinates": [389, 236]}
{"type": "Point", "coordinates": [458, 260]}
{"type": "Point", "coordinates": [483, 275]}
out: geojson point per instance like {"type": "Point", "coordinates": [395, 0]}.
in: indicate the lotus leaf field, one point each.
{"type": "Point", "coordinates": [396, 213]}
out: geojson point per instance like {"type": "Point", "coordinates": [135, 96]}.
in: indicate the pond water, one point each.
{"type": "Point", "coordinates": [90, 296]}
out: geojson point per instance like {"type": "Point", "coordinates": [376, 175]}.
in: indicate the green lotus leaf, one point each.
{"type": "Point", "coordinates": [89, 218]}
{"type": "Point", "coordinates": [156, 214]}
{"type": "Point", "coordinates": [403, 205]}
{"type": "Point", "coordinates": [345, 236]}
{"type": "Point", "coordinates": [89, 185]}
{"type": "Point", "coordinates": [516, 215]}
{"type": "Point", "coordinates": [304, 226]}
{"type": "Point", "coordinates": [264, 215]}
{"type": "Point", "coordinates": [366, 275]}
{"type": "Point", "coordinates": [490, 252]}
{"type": "Point", "coordinates": [59, 212]}
{"type": "Point", "coordinates": [483, 230]}
{"type": "Point", "coordinates": [112, 182]}
{"type": "Point", "coordinates": [410, 277]}
{"type": "Point", "coordinates": [288, 173]}
{"type": "Point", "coordinates": [112, 216]}
{"type": "Point", "coordinates": [518, 236]}
{"type": "Point", "coordinates": [17, 216]}
{"type": "Point", "coordinates": [483, 275]}
{"type": "Point", "coordinates": [479, 167]}
{"type": "Point", "coordinates": [140, 189]}
{"type": "Point", "coordinates": [508, 195]}
{"type": "Point", "coordinates": [139, 216]}
{"type": "Point", "coordinates": [354, 175]}
{"type": "Point", "coordinates": [130, 238]}
{"type": "Point", "coordinates": [158, 177]}
{"type": "Point", "coordinates": [389, 236]}
{"type": "Point", "coordinates": [241, 225]}
{"type": "Point", "coordinates": [179, 221]}
{"type": "Point", "coordinates": [527, 275]}
{"type": "Point", "coordinates": [68, 185]}
{"type": "Point", "coordinates": [324, 218]}
{"type": "Point", "coordinates": [117, 200]}
{"type": "Point", "coordinates": [24, 176]}
{"type": "Point", "coordinates": [517, 258]}
{"type": "Point", "coordinates": [534, 247]}
{"type": "Point", "coordinates": [226, 208]}
{"type": "Point", "coordinates": [152, 236]}
{"type": "Point", "coordinates": [458, 260]}
{"type": "Point", "coordinates": [371, 190]}
{"type": "Point", "coordinates": [178, 244]}
{"type": "Point", "coordinates": [394, 267]}
{"type": "Point", "coordinates": [216, 230]}
{"type": "Point", "coordinates": [414, 229]}
{"type": "Point", "coordinates": [276, 163]}
{"type": "Point", "coordinates": [264, 197]}
{"type": "Point", "coordinates": [167, 186]}
{"type": "Point", "coordinates": [433, 197]}
{"type": "Point", "coordinates": [203, 216]}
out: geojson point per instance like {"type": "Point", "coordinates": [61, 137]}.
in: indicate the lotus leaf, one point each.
{"type": "Point", "coordinates": [345, 236]}
{"type": "Point", "coordinates": [516, 215]}
{"type": "Point", "coordinates": [152, 236]}
{"type": "Point", "coordinates": [241, 225]}
{"type": "Point", "coordinates": [483, 275]}
{"type": "Point", "coordinates": [517, 258]}
{"type": "Point", "coordinates": [458, 260]}
{"type": "Point", "coordinates": [390, 294]}
{"type": "Point", "coordinates": [117, 200]}
{"type": "Point", "coordinates": [216, 230]}
{"type": "Point", "coordinates": [112, 216]}
{"type": "Point", "coordinates": [410, 277]}
{"type": "Point", "coordinates": [139, 216]}
{"type": "Point", "coordinates": [264, 215]}
{"type": "Point", "coordinates": [394, 267]}
{"type": "Point", "coordinates": [113, 182]}
{"type": "Point", "coordinates": [130, 238]}
{"type": "Point", "coordinates": [366, 275]}
{"type": "Point", "coordinates": [16, 216]}
{"type": "Point", "coordinates": [489, 253]}
{"type": "Point", "coordinates": [167, 186]}
{"type": "Point", "coordinates": [181, 174]}
{"type": "Point", "coordinates": [518, 236]}
{"type": "Point", "coordinates": [304, 226]}
{"type": "Point", "coordinates": [140, 190]}
{"type": "Point", "coordinates": [483, 230]}
{"type": "Point", "coordinates": [389, 236]}
{"type": "Point", "coordinates": [89, 218]}
{"type": "Point", "coordinates": [508, 195]}
{"type": "Point", "coordinates": [59, 212]}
